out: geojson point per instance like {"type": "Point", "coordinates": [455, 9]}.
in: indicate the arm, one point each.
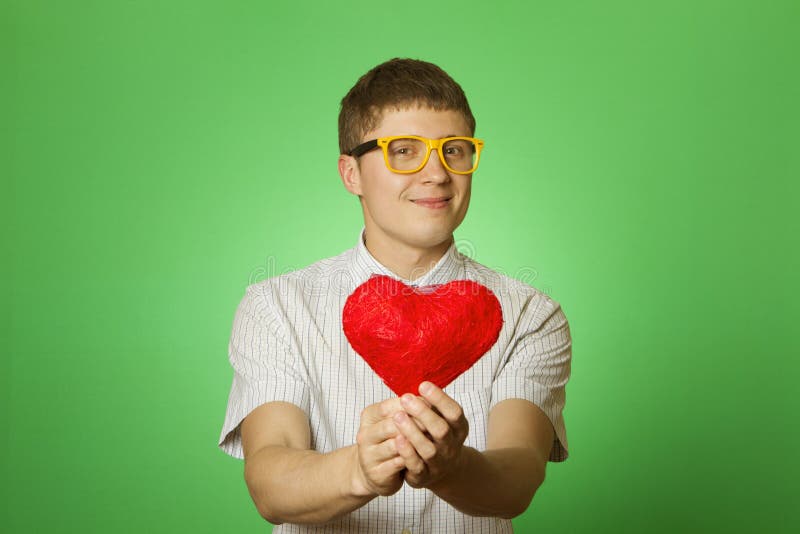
{"type": "Point", "coordinates": [289, 482]}
{"type": "Point", "coordinates": [500, 481]}
{"type": "Point", "coordinates": [266, 424]}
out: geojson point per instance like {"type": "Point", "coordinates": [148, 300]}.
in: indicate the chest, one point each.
{"type": "Point", "coordinates": [342, 384]}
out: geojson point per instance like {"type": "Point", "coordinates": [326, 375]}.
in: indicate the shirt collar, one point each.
{"type": "Point", "coordinates": [449, 267]}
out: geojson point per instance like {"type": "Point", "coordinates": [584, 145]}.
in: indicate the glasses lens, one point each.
{"type": "Point", "coordinates": [460, 154]}
{"type": "Point", "coordinates": [406, 154]}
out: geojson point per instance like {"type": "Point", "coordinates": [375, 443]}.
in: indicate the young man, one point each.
{"type": "Point", "coordinates": [327, 446]}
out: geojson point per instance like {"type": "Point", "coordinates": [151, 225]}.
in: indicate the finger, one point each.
{"type": "Point", "coordinates": [411, 459]}
{"type": "Point", "coordinates": [386, 469]}
{"type": "Point", "coordinates": [371, 435]}
{"type": "Point", "coordinates": [385, 450]}
{"type": "Point", "coordinates": [390, 407]}
{"type": "Point", "coordinates": [371, 414]}
{"type": "Point", "coordinates": [379, 410]}
{"type": "Point", "coordinates": [390, 467]}
{"type": "Point", "coordinates": [444, 404]}
{"type": "Point", "coordinates": [424, 447]}
{"type": "Point", "coordinates": [419, 424]}
{"type": "Point", "coordinates": [435, 425]}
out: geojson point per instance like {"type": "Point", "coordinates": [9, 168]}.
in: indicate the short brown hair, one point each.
{"type": "Point", "coordinates": [397, 83]}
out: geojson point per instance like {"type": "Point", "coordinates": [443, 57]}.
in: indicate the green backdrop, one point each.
{"type": "Point", "coordinates": [641, 167]}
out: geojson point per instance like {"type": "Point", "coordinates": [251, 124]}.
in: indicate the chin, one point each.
{"type": "Point", "coordinates": [432, 237]}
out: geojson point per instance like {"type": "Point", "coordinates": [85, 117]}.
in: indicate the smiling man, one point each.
{"type": "Point", "coordinates": [412, 202]}
{"type": "Point", "coordinates": [327, 446]}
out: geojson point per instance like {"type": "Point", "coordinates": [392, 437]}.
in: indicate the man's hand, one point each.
{"type": "Point", "coordinates": [377, 467]}
{"type": "Point", "coordinates": [431, 453]}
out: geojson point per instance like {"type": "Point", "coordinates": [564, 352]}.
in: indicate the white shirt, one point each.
{"type": "Point", "coordinates": [287, 344]}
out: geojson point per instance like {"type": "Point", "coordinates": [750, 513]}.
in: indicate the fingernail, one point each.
{"type": "Point", "coordinates": [398, 417]}
{"type": "Point", "coordinates": [407, 398]}
{"type": "Point", "coordinates": [425, 388]}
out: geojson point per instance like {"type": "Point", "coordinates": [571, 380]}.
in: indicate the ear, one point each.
{"type": "Point", "coordinates": [350, 174]}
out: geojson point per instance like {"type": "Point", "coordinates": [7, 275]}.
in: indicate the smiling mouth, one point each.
{"type": "Point", "coordinates": [433, 203]}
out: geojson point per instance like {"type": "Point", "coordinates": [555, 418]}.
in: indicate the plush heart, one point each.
{"type": "Point", "coordinates": [411, 334]}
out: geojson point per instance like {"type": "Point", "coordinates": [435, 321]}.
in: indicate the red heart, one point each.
{"type": "Point", "coordinates": [410, 334]}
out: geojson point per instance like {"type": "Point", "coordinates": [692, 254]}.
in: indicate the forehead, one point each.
{"type": "Point", "coordinates": [421, 121]}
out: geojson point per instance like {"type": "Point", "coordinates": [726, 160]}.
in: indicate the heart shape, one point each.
{"type": "Point", "coordinates": [411, 334]}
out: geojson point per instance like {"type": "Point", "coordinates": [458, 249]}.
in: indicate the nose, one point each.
{"type": "Point", "coordinates": [434, 171]}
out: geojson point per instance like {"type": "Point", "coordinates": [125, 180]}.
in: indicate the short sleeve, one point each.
{"type": "Point", "coordinates": [265, 369]}
{"type": "Point", "coordinates": [538, 366]}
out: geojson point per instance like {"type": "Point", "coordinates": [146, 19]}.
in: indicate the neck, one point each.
{"type": "Point", "coordinates": [405, 261]}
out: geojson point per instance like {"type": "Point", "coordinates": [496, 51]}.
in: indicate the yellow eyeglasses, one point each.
{"type": "Point", "coordinates": [406, 154]}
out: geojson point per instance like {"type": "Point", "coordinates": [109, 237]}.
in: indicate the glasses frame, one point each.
{"type": "Point", "coordinates": [430, 144]}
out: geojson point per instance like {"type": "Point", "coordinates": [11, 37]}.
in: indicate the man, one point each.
{"type": "Point", "coordinates": [327, 446]}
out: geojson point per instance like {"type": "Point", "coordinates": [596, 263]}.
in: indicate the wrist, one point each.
{"type": "Point", "coordinates": [459, 466]}
{"type": "Point", "coordinates": [357, 486]}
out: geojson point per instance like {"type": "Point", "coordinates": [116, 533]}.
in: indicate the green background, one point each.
{"type": "Point", "coordinates": [641, 167]}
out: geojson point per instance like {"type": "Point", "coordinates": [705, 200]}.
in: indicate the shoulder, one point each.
{"type": "Point", "coordinates": [318, 278]}
{"type": "Point", "coordinates": [516, 296]}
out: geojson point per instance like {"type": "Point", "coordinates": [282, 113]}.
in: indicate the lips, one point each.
{"type": "Point", "coordinates": [434, 202]}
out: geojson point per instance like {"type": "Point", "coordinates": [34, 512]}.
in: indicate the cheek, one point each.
{"type": "Point", "coordinates": [383, 195]}
{"type": "Point", "coordinates": [466, 191]}
{"type": "Point", "coordinates": [384, 190]}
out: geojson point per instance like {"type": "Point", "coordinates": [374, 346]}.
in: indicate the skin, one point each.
{"type": "Point", "coordinates": [418, 440]}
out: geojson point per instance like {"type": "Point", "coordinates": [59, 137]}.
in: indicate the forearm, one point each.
{"type": "Point", "coordinates": [496, 483]}
{"type": "Point", "coordinates": [302, 486]}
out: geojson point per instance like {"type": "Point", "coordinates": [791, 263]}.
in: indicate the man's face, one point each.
{"type": "Point", "coordinates": [420, 210]}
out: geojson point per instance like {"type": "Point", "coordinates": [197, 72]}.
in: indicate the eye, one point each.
{"type": "Point", "coordinates": [456, 149]}
{"type": "Point", "coordinates": [404, 150]}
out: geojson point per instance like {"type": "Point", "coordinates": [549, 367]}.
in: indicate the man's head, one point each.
{"type": "Point", "coordinates": [394, 85]}
{"type": "Point", "coordinates": [411, 128]}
